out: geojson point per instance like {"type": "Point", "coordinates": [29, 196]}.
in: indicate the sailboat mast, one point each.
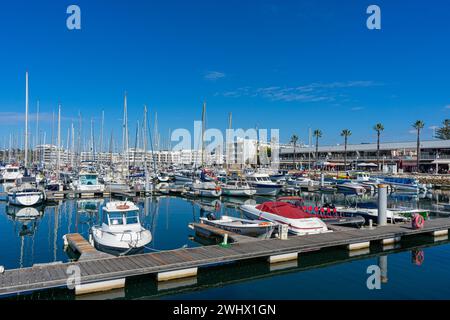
{"type": "Point", "coordinates": [92, 140]}
{"type": "Point", "coordinates": [101, 133]}
{"type": "Point", "coordinates": [58, 163]}
{"type": "Point", "coordinates": [37, 130]}
{"type": "Point", "coordinates": [125, 131]}
{"type": "Point", "coordinates": [203, 132]}
{"type": "Point", "coordinates": [229, 145]}
{"type": "Point", "coordinates": [73, 146]}
{"type": "Point", "coordinates": [26, 120]}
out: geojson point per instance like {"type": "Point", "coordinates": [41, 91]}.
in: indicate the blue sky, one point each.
{"type": "Point", "coordinates": [274, 64]}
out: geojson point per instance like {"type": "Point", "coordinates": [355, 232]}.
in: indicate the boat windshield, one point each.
{"type": "Point", "coordinates": [88, 179]}
{"type": "Point", "coordinates": [123, 218]}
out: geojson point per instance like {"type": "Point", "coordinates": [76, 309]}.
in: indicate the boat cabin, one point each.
{"type": "Point", "coordinates": [120, 215]}
{"type": "Point", "coordinates": [89, 179]}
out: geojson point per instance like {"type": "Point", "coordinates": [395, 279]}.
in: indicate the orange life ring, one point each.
{"type": "Point", "coordinates": [123, 207]}
{"type": "Point", "coordinates": [264, 224]}
{"type": "Point", "coordinates": [218, 188]}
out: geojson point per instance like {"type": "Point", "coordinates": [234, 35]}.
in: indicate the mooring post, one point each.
{"type": "Point", "coordinates": [382, 204]}
{"type": "Point", "coordinates": [225, 239]}
{"type": "Point", "coordinates": [2, 269]}
{"type": "Point", "coordinates": [322, 180]}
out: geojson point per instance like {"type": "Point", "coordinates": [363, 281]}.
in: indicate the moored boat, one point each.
{"type": "Point", "coordinates": [121, 230]}
{"type": "Point", "coordinates": [249, 228]}
{"type": "Point", "coordinates": [286, 213]}
{"type": "Point", "coordinates": [263, 185]}
{"type": "Point", "coordinates": [238, 188]}
{"type": "Point", "coordinates": [25, 195]}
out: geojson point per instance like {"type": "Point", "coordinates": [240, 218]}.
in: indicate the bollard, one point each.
{"type": "Point", "coordinates": [370, 224]}
{"type": "Point", "coordinates": [322, 180]}
{"type": "Point", "coordinates": [225, 239]}
{"type": "Point", "coordinates": [283, 231]}
{"type": "Point", "coordinates": [2, 269]}
{"type": "Point", "coordinates": [382, 204]}
{"type": "Point", "coordinates": [225, 244]}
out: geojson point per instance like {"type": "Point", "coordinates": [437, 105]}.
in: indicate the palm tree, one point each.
{"type": "Point", "coordinates": [418, 125]}
{"type": "Point", "coordinates": [345, 133]}
{"type": "Point", "coordinates": [318, 134]}
{"type": "Point", "coordinates": [378, 128]}
{"type": "Point", "coordinates": [294, 140]}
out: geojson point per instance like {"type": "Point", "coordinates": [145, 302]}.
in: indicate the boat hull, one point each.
{"type": "Point", "coordinates": [27, 199]}
{"type": "Point", "coordinates": [260, 232]}
{"type": "Point", "coordinates": [238, 192]}
{"type": "Point", "coordinates": [120, 241]}
{"type": "Point", "coordinates": [298, 227]}
{"type": "Point", "coordinates": [266, 190]}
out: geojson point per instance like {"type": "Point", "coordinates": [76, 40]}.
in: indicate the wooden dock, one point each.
{"type": "Point", "coordinates": [80, 245]}
{"type": "Point", "coordinates": [118, 268]}
{"type": "Point", "coordinates": [74, 194]}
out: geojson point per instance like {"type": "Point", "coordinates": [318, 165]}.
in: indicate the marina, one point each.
{"type": "Point", "coordinates": [258, 151]}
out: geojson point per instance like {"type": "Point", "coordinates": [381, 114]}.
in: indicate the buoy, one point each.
{"type": "Point", "coordinates": [2, 269]}
{"type": "Point", "coordinates": [418, 221]}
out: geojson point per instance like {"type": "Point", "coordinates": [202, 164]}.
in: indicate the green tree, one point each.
{"type": "Point", "coordinates": [418, 125]}
{"type": "Point", "coordinates": [294, 140]}
{"type": "Point", "coordinates": [378, 128]}
{"type": "Point", "coordinates": [444, 132]}
{"type": "Point", "coordinates": [345, 133]}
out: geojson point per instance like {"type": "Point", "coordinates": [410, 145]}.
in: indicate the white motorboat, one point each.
{"type": "Point", "coordinates": [117, 185]}
{"type": "Point", "coordinates": [204, 189]}
{"type": "Point", "coordinates": [121, 230]}
{"type": "Point", "coordinates": [249, 228]}
{"type": "Point", "coordinates": [351, 187]}
{"type": "Point", "coordinates": [302, 183]}
{"type": "Point", "coordinates": [286, 213]}
{"type": "Point", "coordinates": [163, 177]}
{"type": "Point", "coordinates": [11, 173]}
{"type": "Point", "coordinates": [88, 182]}
{"type": "Point", "coordinates": [263, 185]}
{"type": "Point", "coordinates": [238, 188]}
{"type": "Point", "coordinates": [371, 214]}
{"type": "Point", "coordinates": [26, 195]}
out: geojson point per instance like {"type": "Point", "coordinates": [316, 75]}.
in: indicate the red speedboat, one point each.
{"type": "Point", "coordinates": [301, 220]}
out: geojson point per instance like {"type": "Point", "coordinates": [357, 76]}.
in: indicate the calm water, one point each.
{"type": "Point", "coordinates": [330, 274]}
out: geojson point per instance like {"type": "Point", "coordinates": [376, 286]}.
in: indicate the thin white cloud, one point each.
{"type": "Point", "coordinates": [314, 92]}
{"type": "Point", "coordinates": [214, 75]}
{"type": "Point", "coordinates": [19, 117]}
{"type": "Point", "coordinates": [447, 106]}
{"type": "Point", "coordinates": [357, 108]}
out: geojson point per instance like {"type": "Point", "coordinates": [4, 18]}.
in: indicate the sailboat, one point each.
{"type": "Point", "coordinates": [25, 194]}
{"type": "Point", "coordinates": [205, 186]}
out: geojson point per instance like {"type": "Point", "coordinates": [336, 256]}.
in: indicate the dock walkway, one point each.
{"type": "Point", "coordinates": [114, 268]}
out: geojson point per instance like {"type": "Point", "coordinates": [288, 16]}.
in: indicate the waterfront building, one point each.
{"type": "Point", "coordinates": [394, 156]}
